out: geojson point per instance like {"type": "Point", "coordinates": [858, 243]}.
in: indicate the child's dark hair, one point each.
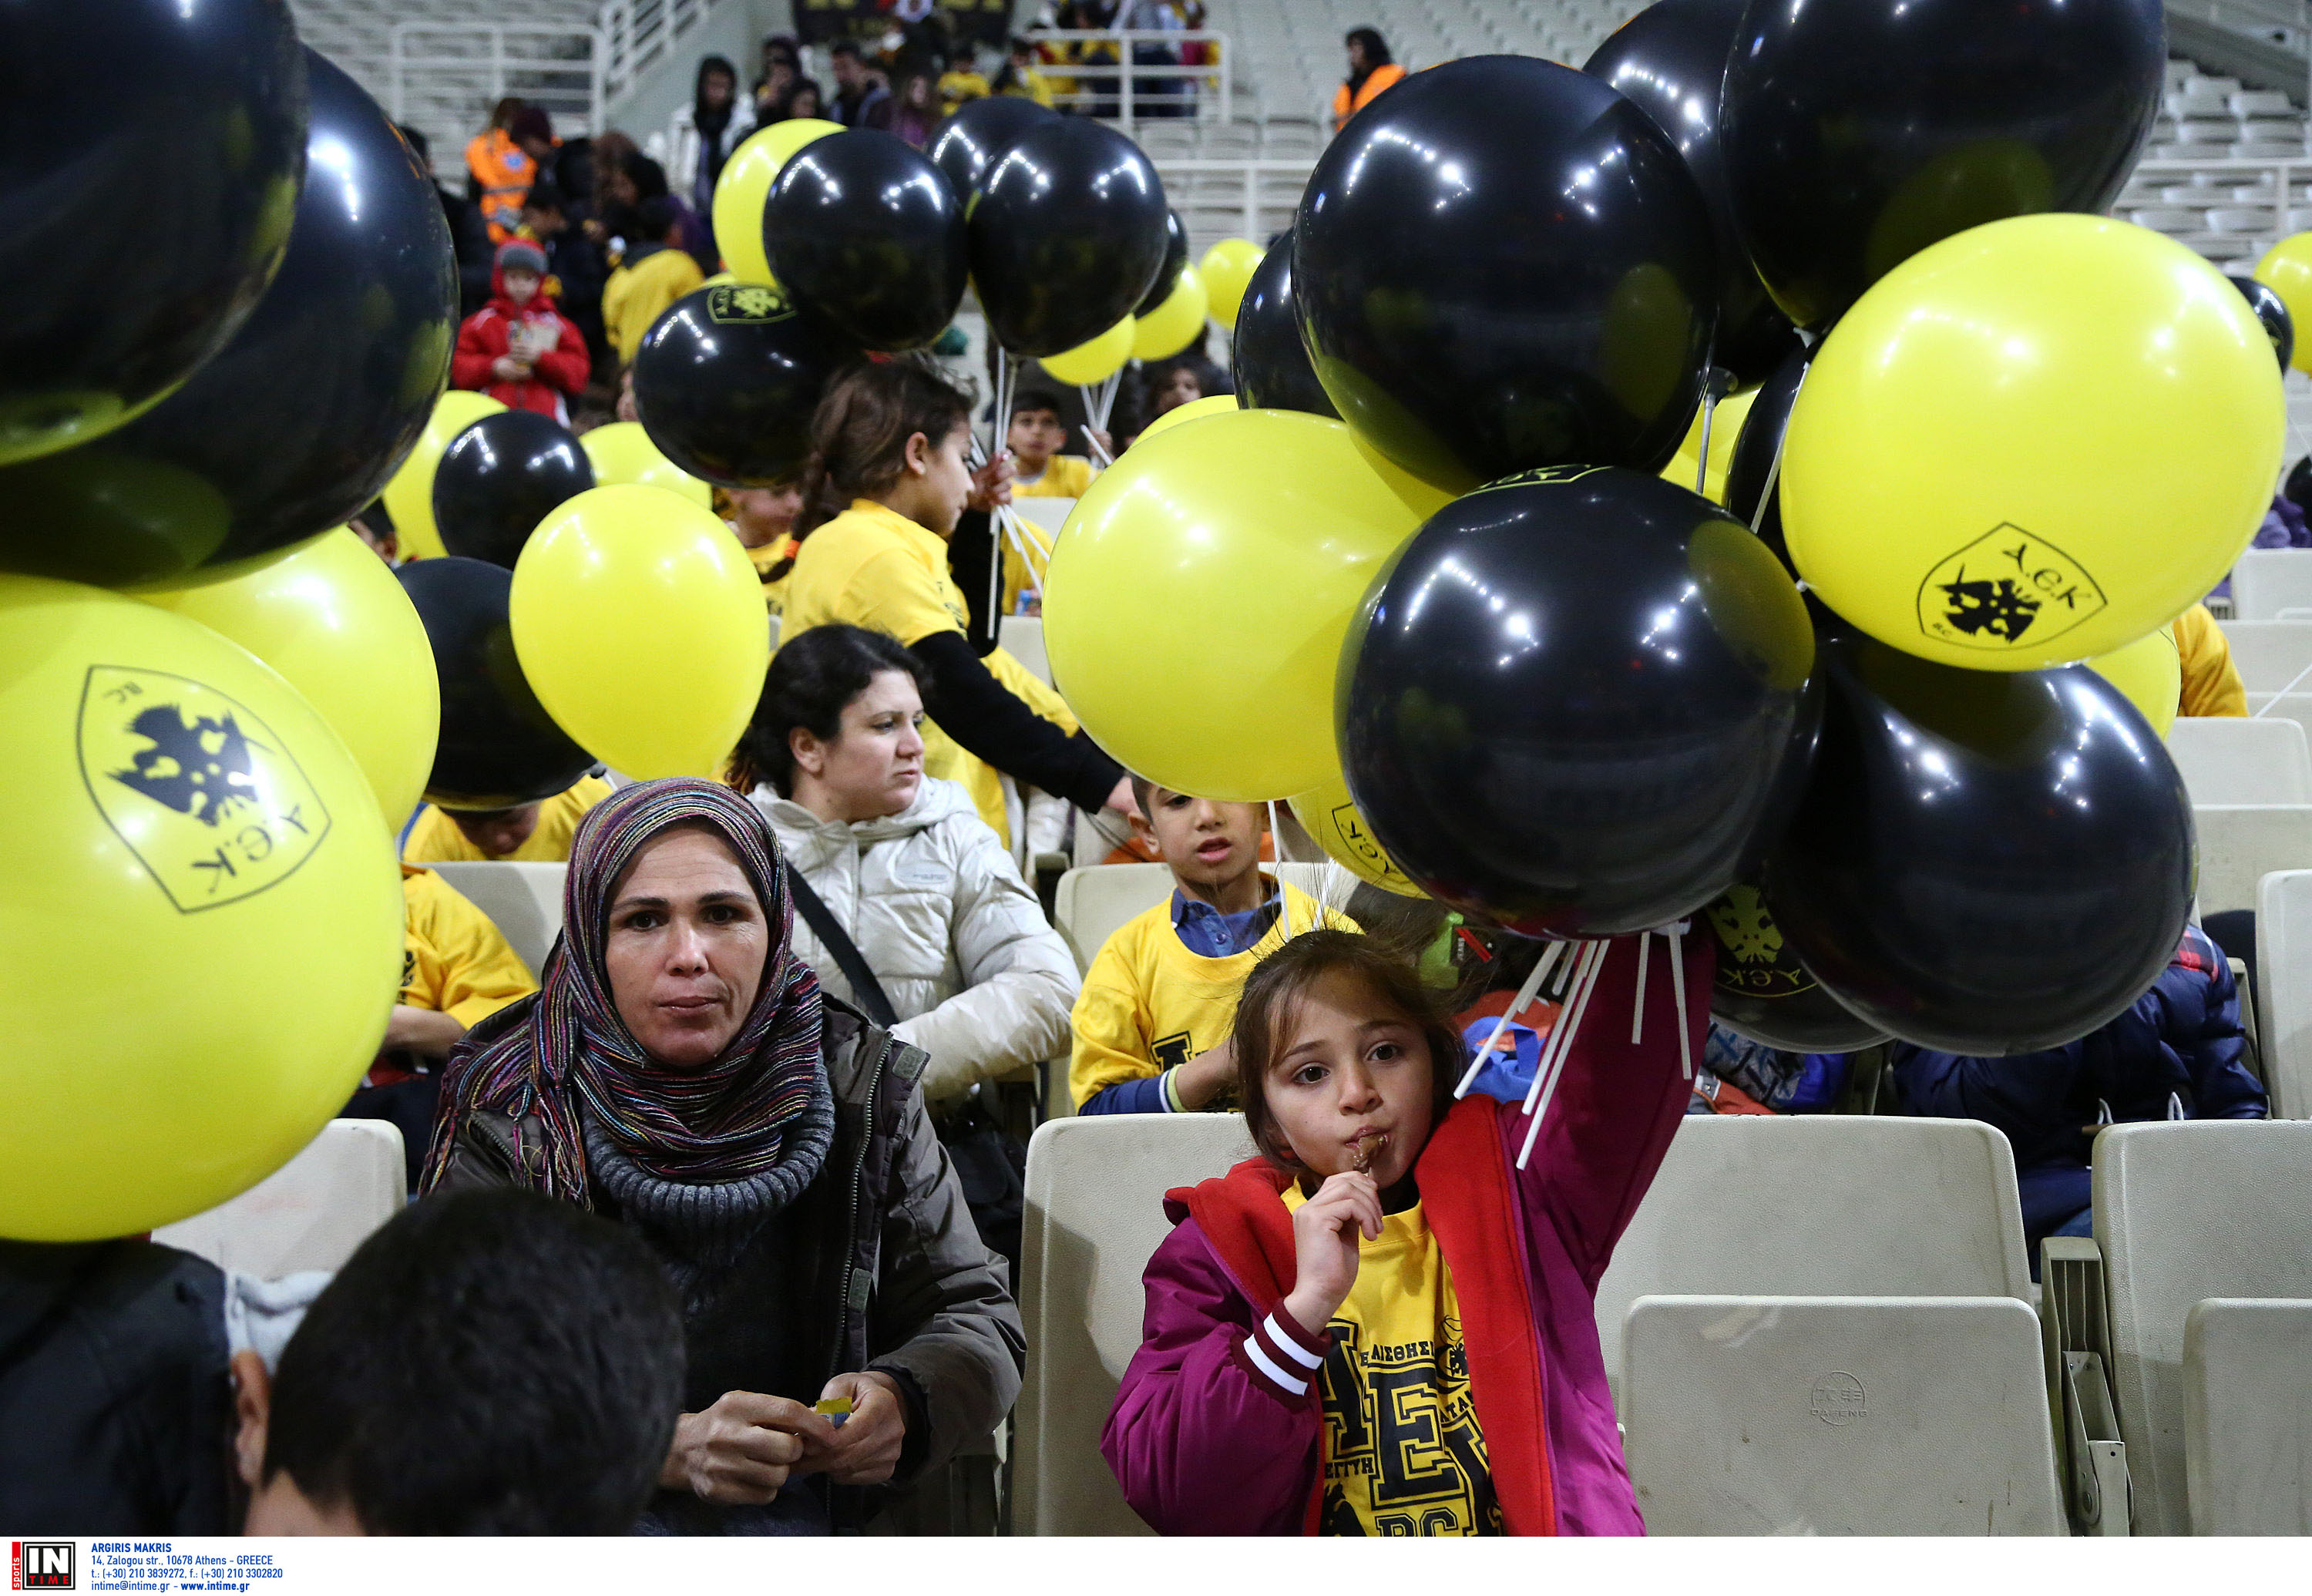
{"type": "Point", "coordinates": [545, 195]}
{"type": "Point", "coordinates": [648, 177]}
{"type": "Point", "coordinates": [859, 434]}
{"type": "Point", "coordinates": [492, 1362]}
{"type": "Point", "coordinates": [655, 218]}
{"type": "Point", "coordinates": [811, 678]}
{"type": "Point", "coordinates": [1034, 399]}
{"type": "Point", "coordinates": [1273, 992]}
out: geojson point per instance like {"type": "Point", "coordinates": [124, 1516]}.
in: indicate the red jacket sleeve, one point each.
{"type": "Point", "coordinates": [566, 365]}
{"type": "Point", "coordinates": [480, 341]}
{"type": "Point", "coordinates": [1617, 1104]}
{"type": "Point", "coordinates": [1201, 1440]}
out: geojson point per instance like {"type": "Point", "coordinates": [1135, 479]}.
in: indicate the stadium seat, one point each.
{"type": "Point", "coordinates": [2267, 581]}
{"type": "Point", "coordinates": [2283, 707]}
{"type": "Point", "coordinates": [1093, 900]}
{"type": "Point", "coordinates": [2225, 759]}
{"type": "Point", "coordinates": [2247, 1415]}
{"type": "Point", "coordinates": [2240, 843]}
{"type": "Point", "coordinates": [1022, 637]}
{"type": "Point", "coordinates": [2283, 990]}
{"type": "Point", "coordinates": [1095, 1213]}
{"type": "Point", "coordinates": [309, 1214]}
{"type": "Point", "coordinates": [1819, 1205]}
{"type": "Point", "coordinates": [1050, 515]}
{"type": "Point", "coordinates": [2269, 655]}
{"type": "Point", "coordinates": [523, 900]}
{"type": "Point", "coordinates": [1839, 1415]}
{"type": "Point", "coordinates": [2188, 1210]}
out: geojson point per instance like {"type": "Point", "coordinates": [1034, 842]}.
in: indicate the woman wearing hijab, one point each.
{"type": "Point", "coordinates": [1371, 71]}
{"type": "Point", "coordinates": [704, 132]}
{"type": "Point", "coordinates": [680, 1073]}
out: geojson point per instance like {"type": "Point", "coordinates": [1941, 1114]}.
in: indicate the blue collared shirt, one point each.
{"type": "Point", "coordinates": [1209, 933]}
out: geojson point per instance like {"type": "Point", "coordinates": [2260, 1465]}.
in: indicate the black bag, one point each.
{"type": "Point", "coordinates": [990, 1163]}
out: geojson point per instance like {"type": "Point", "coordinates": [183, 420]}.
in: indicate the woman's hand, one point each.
{"type": "Point", "coordinates": [739, 1452]}
{"type": "Point", "coordinates": [1325, 1232]}
{"type": "Point", "coordinates": [991, 485]}
{"type": "Point", "coordinates": [1122, 799]}
{"type": "Point", "coordinates": [865, 1447]}
{"type": "Point", "coordinates": [413, 1030]}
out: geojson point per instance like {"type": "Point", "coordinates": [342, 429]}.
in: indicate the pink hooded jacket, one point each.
{"type": "Point", "coordinates": [1218, 1427]}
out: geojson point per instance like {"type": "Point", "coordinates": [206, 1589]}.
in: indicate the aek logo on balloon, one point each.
{"type": "Point", "coordinates": [1350, 826]}
{"type": "Point", "coordinates": [745, 302]}
{"type": "Point", "coordinates": [2006, 589]}
{"type": "Point", "coordinates": [1757, 962]}
{"type": "Point", "coordinates": [198, 788]}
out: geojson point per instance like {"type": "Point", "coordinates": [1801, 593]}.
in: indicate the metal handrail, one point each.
{"type": "Point", "coordinates": [400, 61]}
{"type": "Point", "coordinates": [1123, 70]}
{"type": "Point", "coordinates": [1252, 169]}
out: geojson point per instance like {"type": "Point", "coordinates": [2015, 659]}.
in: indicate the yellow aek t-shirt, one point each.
{"type": "Point", "coordinates": [2211, 682]}
{"type": "Point", "coordinates": [870, 566]}
{"type": "Point", "coordinates": [1065, 477]}
{"type": "Point", "coordinates": [453, 960]}
{"type": "Point", "coordinates": [435, 840]}
{"type": "Point", "coordinates": [763, 558]}
{"type": "Point", "coordinates": [1149, 1004]}
{"type": "Point", "coordinates": [1404, 1452]}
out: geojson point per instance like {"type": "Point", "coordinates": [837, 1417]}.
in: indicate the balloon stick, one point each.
{"type": "Point", "coordinates": [1568, 1026]}
{"type": "Point", "coordinates": [1638, 1010]}
{"type": "Point", "coordinates": [1525, 994]}
{"type": "Point", "coordinates": [1678, 986]}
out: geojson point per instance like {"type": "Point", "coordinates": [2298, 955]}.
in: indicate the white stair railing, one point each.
{"type": "Point", "coordinates": [443, 78]}
{"type": "Point", "coordinates": [636, 33]}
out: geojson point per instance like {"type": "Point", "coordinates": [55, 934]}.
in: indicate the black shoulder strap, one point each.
{"type": "Point", "coordinates": [866, 991]}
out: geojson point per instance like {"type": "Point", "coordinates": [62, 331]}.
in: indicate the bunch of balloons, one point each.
{"type": "Point", "coordinates": [1484, 579]}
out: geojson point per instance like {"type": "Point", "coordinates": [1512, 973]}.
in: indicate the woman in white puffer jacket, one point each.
{"type": "Point", "coordinates": [926, 891]}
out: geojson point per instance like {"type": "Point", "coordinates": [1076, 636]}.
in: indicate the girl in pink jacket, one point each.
{"type": "Point", "coordinates": [1382, 1326]}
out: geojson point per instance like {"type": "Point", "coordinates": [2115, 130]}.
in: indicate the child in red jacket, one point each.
{"type": "Point", "coordinates": [518, 348]}
{"type": "Point", "coordinates": [1383, 1325]}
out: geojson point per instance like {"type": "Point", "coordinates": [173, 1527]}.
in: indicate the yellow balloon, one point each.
{"type": "Point", "coordinates": [1096, 361]}
{"type": "Point", "coordinates": [1254, 535]}
{"type": "Point", "coordinates": [202, 922]}
{"type": "Point", "coordinates": [1725, 427]}
{"type": "Point", "coordinates": [1331, 817]}
{"type": "Point", "coordinates": [409, 496]}
{"type": "Point", "coordinates": [1172, 325]}
{"type": "Point", "coordinates": [1216, 404]}
{"type": "Point", "coordinates": [622, 452]}
{"type": "Point", "coordinates": [2286, 269]}
{"type": "Point", "coordinates": [2032, 444]}
{"type": "Point", "coordinates": [639, 624]}
{"type": "Point", "coordinates": [745, 188]}
{"type": "Point", "coordinates": [332, 620]}
{"type": "Point", "coordinates": [1227, 267]}
{"type": "Point", "coordinates": [2151, 673]}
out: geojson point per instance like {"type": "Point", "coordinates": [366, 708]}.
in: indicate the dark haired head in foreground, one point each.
{"type": "Point", "coordinates": [488, 1363]}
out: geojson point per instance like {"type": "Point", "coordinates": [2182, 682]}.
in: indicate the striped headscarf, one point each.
{"type": "Point", "coordinates": [569, 1051]}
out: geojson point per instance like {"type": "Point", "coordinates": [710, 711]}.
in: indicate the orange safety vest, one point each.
{"type": "Point", "coordinates": [1378, 79]}
{"type": "Point", "coordinates": [503, 173]}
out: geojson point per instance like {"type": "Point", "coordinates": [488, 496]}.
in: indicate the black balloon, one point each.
{"type": "Point", "coordinates": [2272, 311]}
{"type": "Point", "coordinates": [499, 747]}
{"type": "Point", "coordinates": [1566, 703]}
{"type": "Point", "coordinates": [864, 230]}
{"type": "Point", "coordinates": [142, 210]}
{"type": "Point", "coordinates": [1985, 862]}
{"type": "Point", "coordinates": [1754, 473]}
{"type": "Point", "coordinates": [725, 382]}
{"type": "Point", "coordinates": [1176, 260]}
{"type": "Point", "coordinates": [1858, 133]}
{"type": "Point", "coordinates": [499, 478]}
{"type": "Point", "coordinates": [1270, 363]}
{"type": "Point", "coordinates": [1670, 60]}
{"type": "Point", "coordinates": [1761, 991]}
{"type": "Point", "coordinates": [1066, 237]}
{"type": "Point", "coordinates": [975, 137]}
{"type": "Point", "coordinates": [1503, 265]}
{"type": "Point", "coordinates": [304, 416]}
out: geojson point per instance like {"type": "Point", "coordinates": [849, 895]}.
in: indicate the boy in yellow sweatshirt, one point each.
{"type": "Point", "coordinates": [1153, 1021]}
{"type": "Point", "coordinates": [528, 833]}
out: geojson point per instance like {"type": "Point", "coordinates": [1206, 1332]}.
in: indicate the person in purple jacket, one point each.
{"type": "Point", "coordinates": [1382, 1324]}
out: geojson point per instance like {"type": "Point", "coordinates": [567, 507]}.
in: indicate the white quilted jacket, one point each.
{"type": "Point", "coordinates": [937, 907]}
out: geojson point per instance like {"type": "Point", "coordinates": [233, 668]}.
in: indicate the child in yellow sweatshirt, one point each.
{"type": "Point", "coordinates": [1153, 1020]}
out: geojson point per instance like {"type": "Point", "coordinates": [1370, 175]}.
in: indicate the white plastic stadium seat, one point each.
{"type": "Point", "coordinates": [1022, 637]}
{"type": "Point", "coordinates": [523, 900]}
{"type": "Point", "coordinates": [2267, 581]}
{"type": "Point", "coordinates": [2269, 654]}
{"type": "Point", "coordinates": [2226, 759]}
{"type": "Point", "coordinates": [1095, 1213]}
{"type": "Point", "coordinates": [1837, 1205]}
{"type": "Point", "coordinates": [1839, 1415]}
{"type": "Point", "coordinates": [2247, 1415]}
{"type": "Point", "coordinates": [2283, 989]}
{"type": "Point", "coordinates": [1093, 900]}
{"type": "Point", "coordinates": [2283, 707]}
{"type": "Point", "coordinates": [2240, 843]}
{"type": "Point", "coordinates": [309, 1214]}
{"type": "Point", "coordinates": [2186, 1210]}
